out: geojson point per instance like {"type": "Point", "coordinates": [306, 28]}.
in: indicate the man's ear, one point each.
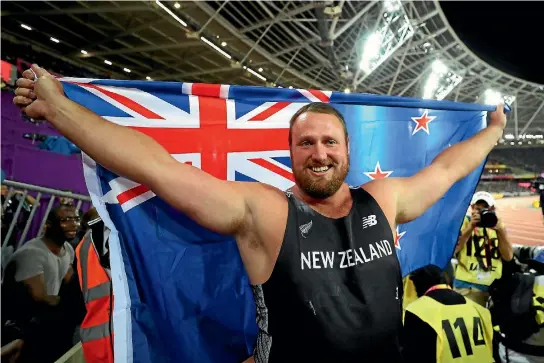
{"type": "Point", "coordinates": [47, 226]}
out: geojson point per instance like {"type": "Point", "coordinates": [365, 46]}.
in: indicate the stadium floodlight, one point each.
{"type": "Point", "coordinates": [509, 137]}
{"type": "Point", "coordinates": [492, 97]}
{"type": "Point", "coordinates": [441, 81]}
{"type": "Point", "coordinates": [392, 30]}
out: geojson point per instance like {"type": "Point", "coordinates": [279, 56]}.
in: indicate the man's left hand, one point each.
{"type": "Point", "coordinates": [497, 117]}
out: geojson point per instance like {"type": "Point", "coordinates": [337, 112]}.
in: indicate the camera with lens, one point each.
{"type": "Point", "coordinates": [488, 218]}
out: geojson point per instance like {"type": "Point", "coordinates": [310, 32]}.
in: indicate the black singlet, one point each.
{"type": "Point", "coordinates": [335, 294]}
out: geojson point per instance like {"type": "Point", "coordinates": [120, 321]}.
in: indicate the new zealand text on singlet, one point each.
{"type": "Point", "coordinates": [344, 259]}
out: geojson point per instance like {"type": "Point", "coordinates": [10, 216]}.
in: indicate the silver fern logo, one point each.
{"type": "Point", "coordinates": [305, 228]}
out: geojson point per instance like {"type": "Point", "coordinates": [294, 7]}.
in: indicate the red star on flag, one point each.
{"type": "Point", "coordinates": [398, 236]}
{"type": "Point", "coordinates": [422, 122]}
{"type": "Point", "coordinates": [378, 173]}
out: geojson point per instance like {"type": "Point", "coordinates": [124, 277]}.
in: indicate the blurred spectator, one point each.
{"type": "Point", "coordinates": [483, 250]}
{"type": "Point", "coordinates": [442, 325]}
{"type": "Point", "coordinates": [31, 292]}
{"type": "Point", "coordinates": [517, 308]}
{"type": "Point", "coordinates": [95, 279]}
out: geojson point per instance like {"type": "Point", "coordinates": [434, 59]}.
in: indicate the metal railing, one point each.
{"type": "Point", "coordinates": [25, 190]}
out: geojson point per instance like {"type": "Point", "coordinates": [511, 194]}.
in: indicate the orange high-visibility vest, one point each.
{"type": "Point", "coordinates": [96, 329]}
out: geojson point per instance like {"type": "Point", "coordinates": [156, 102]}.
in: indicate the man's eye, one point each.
{"type": "Point", "coordinates": [305, 143]}
{"type": "Point", "coordinates": [332, 142]}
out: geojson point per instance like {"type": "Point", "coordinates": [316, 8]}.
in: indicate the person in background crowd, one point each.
{"type": "Point", "coordinates": [93, 270]}
{"type": "Point", "coordinates": [33, 279]}
{"type": "Point", "coordinates": [338, 313]}
{"type": "Point", "coordinates": [517, 308]}
{"type": "Point", "coordinates": [443, 326]}
{"type": "Point", "coordinates": [483, 250]}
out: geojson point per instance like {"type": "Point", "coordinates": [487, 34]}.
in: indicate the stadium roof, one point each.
{"type": "Point", "coordinates": [278, 43]}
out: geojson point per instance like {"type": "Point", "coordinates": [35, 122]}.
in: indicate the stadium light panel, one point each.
{"type": "Point", "coordinates": [83, 51]}
{"type": "Point", "coordinates": [54, 40]}
{"type": "Point", "coordinates": [24, 26]}
{"type": "Point", "coordinates": [108, 62]}
{"type": "Point", "coordinates": [171, 13]}
{"type": "Point", "coordinates": [492, 97]}
{"type": "Point", "coordinates": [215, 47]}
{"type": "Point", "coordinates": [392, 31]}
{"type": "Point", "coordinates": [126, 70]}
{"type": "Point", "coordinates": [256, 74]}
{"type": "Point", "coordinates": [441, 81]}
{"type": "Point", "coordinates": [391, 6]}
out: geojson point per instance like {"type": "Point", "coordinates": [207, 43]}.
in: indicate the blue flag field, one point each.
{"type": "Point", "coordinates": [180, 291]}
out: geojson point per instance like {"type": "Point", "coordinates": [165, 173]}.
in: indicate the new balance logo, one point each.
{"type": "Point", "coordinates": [369, 221]}
{"type": "Point", "coordinates": [305, 228]}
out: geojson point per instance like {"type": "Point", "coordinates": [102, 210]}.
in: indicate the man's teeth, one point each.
{"type": "Point", "coordinates": [321, 168]}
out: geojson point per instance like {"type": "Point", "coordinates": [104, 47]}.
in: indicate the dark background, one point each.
{"type": "Point", "coordinates": [506, 34]}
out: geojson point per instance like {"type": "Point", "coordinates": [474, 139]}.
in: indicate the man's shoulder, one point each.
{"type": "Point", "coordinates": [35, 245]}
{"type": "Point", "coordinates": [31, 251]}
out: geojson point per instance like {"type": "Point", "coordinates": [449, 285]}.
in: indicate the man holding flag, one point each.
{"type": "Point", "coordinates": [319, 255]}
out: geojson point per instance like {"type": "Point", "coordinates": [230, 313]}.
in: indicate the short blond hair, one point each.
{"type": "Point", "coordinates": [318, 107]}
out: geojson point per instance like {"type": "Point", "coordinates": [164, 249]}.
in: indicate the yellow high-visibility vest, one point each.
{"type": "Point", "coordinates": [472, 256]}
{"type": "Point", "coordinates": [464, 331]}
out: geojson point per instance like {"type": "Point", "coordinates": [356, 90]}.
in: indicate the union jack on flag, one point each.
{"type": "Point", "coordinates": [181, 292]}
{"type": "Point", "coordinates": [230, 140]}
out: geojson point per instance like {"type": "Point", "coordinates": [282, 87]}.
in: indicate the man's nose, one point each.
{"type": "Point", "coordinates": [320, 152]}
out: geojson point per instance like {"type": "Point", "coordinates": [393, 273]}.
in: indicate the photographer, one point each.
{"type": "Point", "coordinates": [517, 308]}
{"type": "Point", "coordinates": [483, 250]}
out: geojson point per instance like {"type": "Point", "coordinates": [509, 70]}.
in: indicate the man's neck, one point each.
{"type": "Point", "coordinates": [336, 206]}
{"type": "Point", "coordinates": [54, 247]}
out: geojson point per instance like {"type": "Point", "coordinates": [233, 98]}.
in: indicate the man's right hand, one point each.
{"type": "Point", "coordinates": [475, 219]}
{"type": "Point", "coordinates": [35, 97]}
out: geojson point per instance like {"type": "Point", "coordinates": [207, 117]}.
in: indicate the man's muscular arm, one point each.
{"type": "Point", "coordinates": [215, 204]}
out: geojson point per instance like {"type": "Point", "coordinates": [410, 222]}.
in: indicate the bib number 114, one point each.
{"type": "Point", "coordinates": [477, 335]}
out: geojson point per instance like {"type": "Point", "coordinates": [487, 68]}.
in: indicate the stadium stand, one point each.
{"type": "Point", "coordinates": [529, 159]}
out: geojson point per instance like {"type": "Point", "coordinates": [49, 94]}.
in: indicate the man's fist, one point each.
{"type": "Point", "coordinates": [497, 117]}
{"type": "Point", "coordinates": [36, 97]}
